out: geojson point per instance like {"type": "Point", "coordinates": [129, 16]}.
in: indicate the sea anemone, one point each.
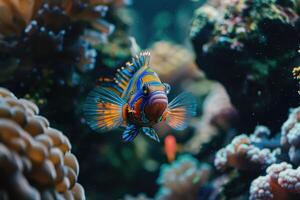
{"type": "Point", "coordinates": [35, 160]}
{"type": "Point", "coordinates": [280, 183]}
{"type": "Point", "coordinates": [182, 179]}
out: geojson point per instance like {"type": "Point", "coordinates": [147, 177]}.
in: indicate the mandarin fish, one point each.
{"type": "Point", "coordinates": [170, 148]}
{"type": "Point", "coordinates": [136, 100]}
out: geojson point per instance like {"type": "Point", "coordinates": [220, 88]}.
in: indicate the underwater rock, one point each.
{"type": "Point", "coordinates": [280, 183]}
{"type": "Point", "coordinates": [290, 136]}
{"type": "Point", "coordinates": [182, 179]}
{"type": "Point", "coordinates": [237, 45]}
{"type": "Point", "coordinates": [35, 160]}
{"type": "Point", "coordinates": [243, 155]}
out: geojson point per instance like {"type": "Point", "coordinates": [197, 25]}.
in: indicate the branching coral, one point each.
{"type": "Point", "coordinates": [290, 136]}
{"type": "Point", "coordinates": [182, 179]}
{"type": "Point", "coordinates": [35, 160]}
{"type": "Point", "coordinates": [243, 155]}
{"type": "Point", "coordinates": [280, 183]}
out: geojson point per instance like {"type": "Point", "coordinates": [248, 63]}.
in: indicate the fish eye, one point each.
{"type": "Point", "coordinates": [167, 88]}
{"type": "Point", "coordinates": [145, 88]}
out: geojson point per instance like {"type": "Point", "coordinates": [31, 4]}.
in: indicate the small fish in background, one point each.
{"type": "Point", "coordinates": [136, 99]}
{"type": "Point", "coordinates": [170, 147]}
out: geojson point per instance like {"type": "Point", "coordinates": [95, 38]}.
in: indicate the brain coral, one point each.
{"type": "Point", "coordinates": [35, 160]}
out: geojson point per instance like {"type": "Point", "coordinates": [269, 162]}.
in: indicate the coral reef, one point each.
{"type": "Point", "coordinates": [243, 155]}
{"type": "Point", "coordinates": [182, 179]}
{"type": "Point", "coordinates": [257, 152]}
{"type": "Point", "coordinates": [290, 136]}
{"type": "Point", "coordinates": [35, 160]}
{"type": "Point", "coordinates": [280, 183]}
{"type": "Point", "coordinates": [51, 41]}
{"type": "Point", "coordinates": [236, 44]}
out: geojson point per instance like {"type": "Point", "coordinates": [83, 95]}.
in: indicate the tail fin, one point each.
{"type": "Point", "coordinates": [180, 110]}
{"type": "Point", "coordinates": [103, 109]}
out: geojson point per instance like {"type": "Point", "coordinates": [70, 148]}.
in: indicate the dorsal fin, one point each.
{"type": "Point", "coordinates": [143, 59]}
{"type": "Point", "coordinates": [124, 74]}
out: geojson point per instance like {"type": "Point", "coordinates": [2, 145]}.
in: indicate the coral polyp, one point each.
{"type": "Point", "coordinates": [280, 183]}
{"type": "Point", "coordinates": [290, 136]}
{"type": "Point", "coordinates": [243, 155]}
{"type": "Point", "coordinates": [35, 160]}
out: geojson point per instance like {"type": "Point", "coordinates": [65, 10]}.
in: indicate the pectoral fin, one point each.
{"type": "Point", "coordinates": [104, 109]}
{"type": "Point", "coordinates": [180, 110]}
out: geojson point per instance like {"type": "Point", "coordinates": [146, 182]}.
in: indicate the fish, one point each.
{"type": "Point", "coordinates": [170, 147]}
{"type": "Point", "coordinates": [136, 99]}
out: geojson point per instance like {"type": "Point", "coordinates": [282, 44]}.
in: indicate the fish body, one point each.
{"type": "Point", "coordinates": [136, 99]}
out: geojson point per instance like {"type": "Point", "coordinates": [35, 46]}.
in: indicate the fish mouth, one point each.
{"type": "Point", "coordinates": [158, 99]}
{"type": "Point", "coordinates": [156, 106]}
